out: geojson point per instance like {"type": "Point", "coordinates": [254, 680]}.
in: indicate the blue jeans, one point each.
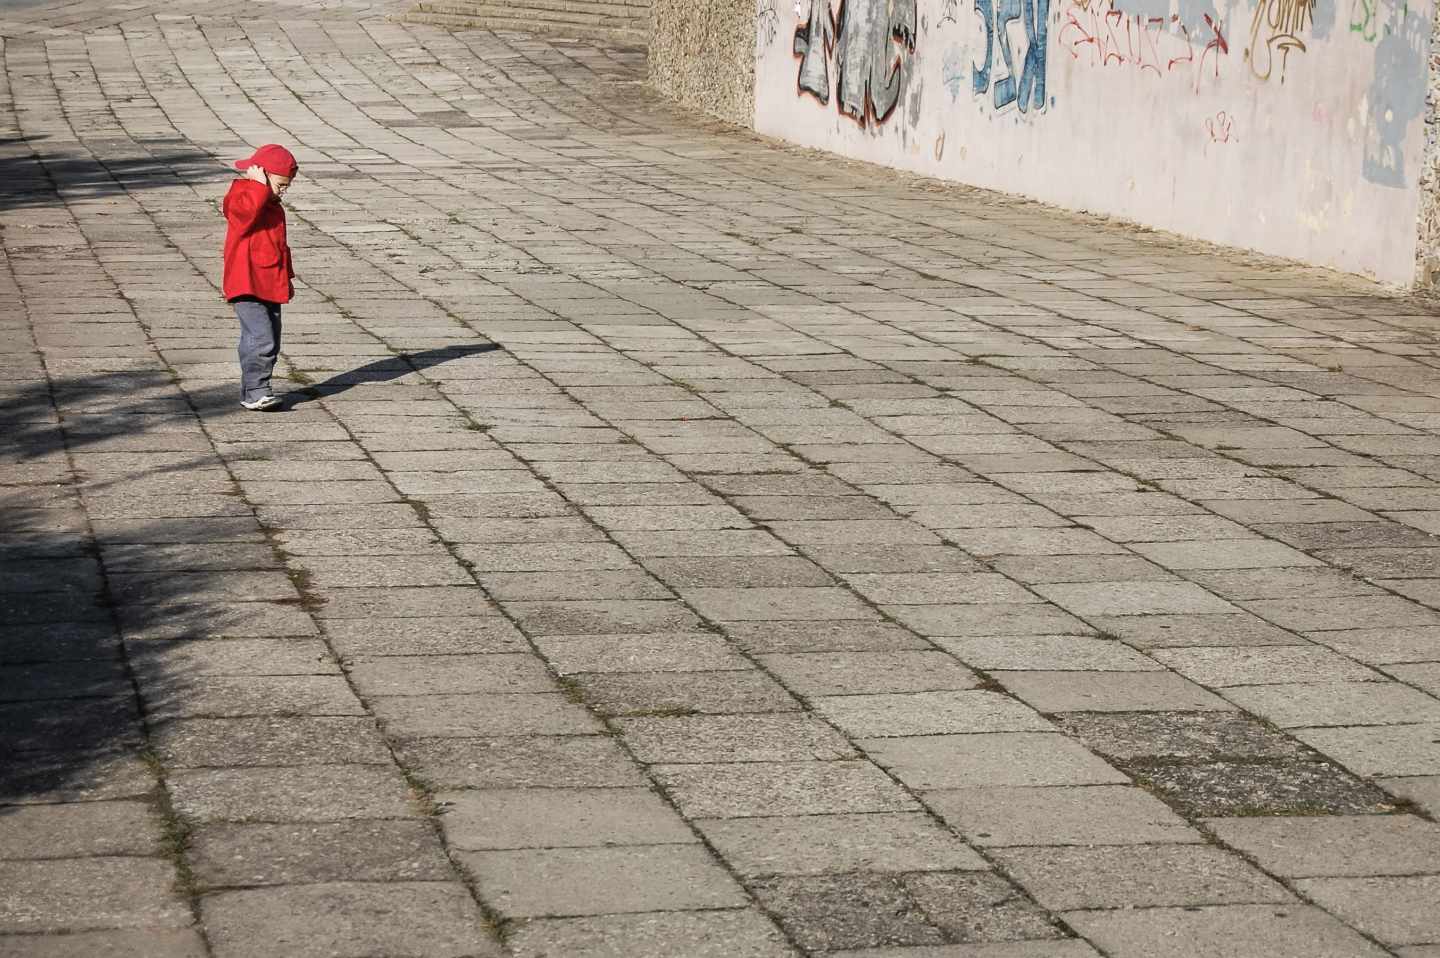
{"type": "Point", "coordinates": [259, 345]}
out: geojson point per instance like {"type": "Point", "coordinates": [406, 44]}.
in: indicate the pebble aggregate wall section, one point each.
{"type": "Point", "coordinates": [703, 55]}
{"type": "Point", "coordinates": [1292, 127]}
{"type": "Point", "coordinates": [1427, 254]}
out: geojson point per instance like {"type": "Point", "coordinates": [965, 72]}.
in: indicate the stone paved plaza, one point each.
{"type": "Point", "coordinates": [675, 544]}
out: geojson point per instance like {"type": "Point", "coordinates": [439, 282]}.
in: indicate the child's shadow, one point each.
{"type": "Point", "coordinates": [385, 370]}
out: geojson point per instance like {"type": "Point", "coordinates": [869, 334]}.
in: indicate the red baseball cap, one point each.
{"type": "Point", "coordinates": [272, 158]}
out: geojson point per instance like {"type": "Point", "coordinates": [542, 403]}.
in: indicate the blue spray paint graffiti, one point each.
{"type": "Point", "coordinates": [1027, 88]}
{"type": "Point", "coordinates": [1397, 97]}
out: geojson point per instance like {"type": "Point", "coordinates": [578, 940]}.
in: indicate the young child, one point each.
{"type": "Point", "coordinates": [258, 273]}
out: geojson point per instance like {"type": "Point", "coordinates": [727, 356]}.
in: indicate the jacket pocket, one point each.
{"type": "Point", "coordinates": [264, 251]}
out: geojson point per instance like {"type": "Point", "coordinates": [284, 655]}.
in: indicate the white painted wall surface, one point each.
{"type": "Point", "coordinates": [1300, 135]}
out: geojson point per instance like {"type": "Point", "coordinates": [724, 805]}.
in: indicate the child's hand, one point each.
{"type": "Point", "coordinates": [257, 173]}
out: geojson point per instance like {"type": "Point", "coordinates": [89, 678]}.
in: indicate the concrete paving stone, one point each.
{"type": "Point", "coordinates": [1066, 878]}
{"type": "Point", "coordinates": [1079, 568]}
{"type": "Point", "coordinates": [60, 681]}
{"type": "Point", "coordinates": [269, 740]}
{"type": "Point", "coordinates": [1412, 749]}
{"type": "Point", "coordinates": [853, 673]}
{"type": "Point", "coordinates": [1222, 931]}
{"type": "Point", "coordinates": [179, 696]}
{"type": "Point", "coordinates": [1303, 614]}
{"type": "Point", "coordinates": [1108, 691]}
{"type": "Point", "coordinates": [1335, 846]}
{"type": "Point", "coordinates": [320, 793]}
{"type": "Point", "coordinates": [550, 529]}
{"type": "Point", "coordinates": [845, 506]}
{"type": "Point", "coordinates": [227, 855]}
{"type": "Point", "coordinates": [154, 661]}
{"type": "Point", "coordinates": [979, 906]}
{"type": "Point", "coordinates": [756, 737]}
{"type": "Point", "coordinates": [1380, 563]}
{"type": "Point", "coordinates": [1373, 534]}
{"type": "Point", "coordinates": [550, 556]}
{"type": "Point", "coordinates": [1336, 703]}
{"type": "Point", "coordinates": [701, 934]}
{"type": "Point", "coordinates": [1134, 598]}
{"type": "Point", "coordinates": [933, 588]}
{"type": "Point", "coordinates": [105, 770]}
{"type": "Point", "coordinates": [1239, 553]}
{"type": "Point", "coordinates": [90, 893]}
{"type": "Point", "coordinates": [602, 617]}
{"type": "Point", "coordinates": [989, 543]}
{"type": "Point", "coordinates": [1290, 511]}
{"type": "Point", "coordinates": [557, 882]}
{"type": "Point", "coordinates": [1046, 653]}
{"type": "Point", "coordinates": [827, 844]}
{"type": "Point", "coordinates": [1259, 788]}
{"type": "Point", "coordinates": [428, 918]}
{"type": "Point", "coordinates": [683, 693]}
{"type": "Point", "coordinates": [776, 604]}
{"type": "Point", "coordinates": [1264, 665]}
{"type": "Point", "coordinates": [46, 607]}
{"type": "Point", "coordinates": [858, 532]}
{"type": "Point", "coordinates": [1065, 815]}
{"type": "Point", "coordinates": [481, 714]}
{"type": "Point", "coordinates": [1421, 790]}
{"type": "Point", "coordinates": [419, 602]}
{"type": "Point", "coordinates": [928, 713]}
{"type": "Point", "coordinates": [521, 761]}
{"type": "Point", "coordinates": [1424, 676]}
{"type": "Point", "coordinates": [890, 559]}
{"type": "Point", "coordinates": [748, 789]}
{"type": "Point", "coordinates": [1173, 631]}
{"type": "Point", "coordinates": [558, 818]}
{"type": "Point", "coordinates": [421, 635]}
{"type": "Point", "coordinates": [208, 619]}
{"type": "Point", "coordinates": [80, 829]}
{"type": "Point", "coordinates": [1396, 910]}
{"type": "Point", "coordinates": [120, 943]}
{"type": "Point", "coordinates": [702, 544]}
{"type": "Point", "coordinates": [1045, 948]}
{"type": "Point", "coordinates": [652, 652]}
{"type": "Point", "coordinates": [989, 759]}
{"type": "Point", "coordinates": [630, 583]}
{"type": "Point", "coordinates": [153, 588]}
{"type": "Point", "coordinates": [382, 571]}
{"type": "Point", "coordinates": [740, 573]}
{"type": "Point", "coordinates": [448, 674]}
{"type": "Point", "coordinates": [1243, 584]}
{"type": "Point", "coordinates": [81, 725]}
{"type": "Point", "coordinates": [826, 913]}
{"type": "Point", "coordinates": [1004, 618]}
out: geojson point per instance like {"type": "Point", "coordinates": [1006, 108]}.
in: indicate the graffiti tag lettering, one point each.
{"type": "Point", "coordinates": [1025, 89]}
{"type": "Point", "coordinates": [1114, 38]}
{"type": "Point", "coordinates": [1276, 28]}
{"type": "Point", "coordinates": [867, 40]}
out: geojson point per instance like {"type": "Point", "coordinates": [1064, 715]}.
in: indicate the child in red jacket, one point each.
{"type": "Point", "coordinates": [258, 272]}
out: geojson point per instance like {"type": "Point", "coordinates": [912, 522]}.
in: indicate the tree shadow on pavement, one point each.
{"type": "Point", "coordinates": [386, 370]}
{"type": "Point", "coordinates": [32, 178]}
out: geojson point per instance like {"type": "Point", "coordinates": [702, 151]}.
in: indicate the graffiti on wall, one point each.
{"type": "Point", "coordinates": [867, 41]}
{"type": "Point", "coordinates": [1013, 77]}
{"type": "Point", "coordinates": [1275, 32]}
{"type": "Point", "coordinates": [1107, 36]}
{"type": "Point", "coordinates": [1396, 98]}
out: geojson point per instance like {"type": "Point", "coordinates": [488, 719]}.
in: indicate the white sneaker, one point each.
{"type": "Point", "coordinates": [261, 404]}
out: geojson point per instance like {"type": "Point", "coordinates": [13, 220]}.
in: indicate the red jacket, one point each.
{"type": "Point", "coordinates": [257, 258]}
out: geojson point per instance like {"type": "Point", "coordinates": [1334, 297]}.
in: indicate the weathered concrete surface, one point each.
{"type": "Point", "coordinates": [702, 55]}
{"type": "Point", "coordinates": [667, 550]}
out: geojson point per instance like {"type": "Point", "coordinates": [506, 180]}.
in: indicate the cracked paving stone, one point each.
{"type": "Point", "coordinates": [832, 912]}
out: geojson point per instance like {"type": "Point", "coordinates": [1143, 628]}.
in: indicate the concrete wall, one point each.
{"type": "Point", "coordinates": [703, 55]}
{"type": "Point", "coordinates": [1294, 127]}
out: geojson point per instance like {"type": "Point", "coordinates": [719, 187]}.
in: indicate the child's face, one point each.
{"type": "Point", "coordinates": [278, 184]}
